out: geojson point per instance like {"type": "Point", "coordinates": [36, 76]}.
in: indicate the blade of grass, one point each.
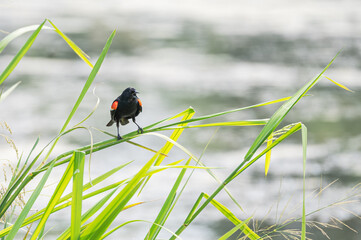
{"type": "Point", "coordinates": [268, 155]}
{"type": "Point", "coordinates": [233, 230]}
{"type": "Point", "coordinates": [338, 84]}
{"type": "Point", "coordinates": [17, 33]}
{"type": "Point", "coordinates": [146, 148]}
{"type": "Point", "coordinates": [92, 111]}
{"type": "Point", "coordinates": [279, 115]}
{"type": "Point", "coordinates": [20, 54]}
{"type": "Point", "coordinates": [72, 45]}
{"type": "Point", "coordinates": [224, 124]}
{"type": "Point", "coordinates": [231, 217]}
{"type": "Point", "coordinates": [29, 204]}
{"type": "Point", "coordinates": [166, 208]}
{"type": "Point", "coordinates": [173, 142]}
{"type": "Point", "coordinates": [76, 204]}
{"type": "Point", "coordinates": [7, 92]}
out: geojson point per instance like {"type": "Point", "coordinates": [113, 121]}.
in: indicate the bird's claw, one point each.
{"type": "Point", "coordinates": [140, 130]}
{"type": "Point", "coordinates": [119, 137]}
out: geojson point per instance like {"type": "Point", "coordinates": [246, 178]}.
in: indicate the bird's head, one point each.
{"type": "Point", "coordinates": [129, 93]}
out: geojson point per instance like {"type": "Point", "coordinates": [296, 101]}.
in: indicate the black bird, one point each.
{"type": "Point", "coordinates": [126, 106]}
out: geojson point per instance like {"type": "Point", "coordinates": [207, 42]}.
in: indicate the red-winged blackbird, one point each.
{"type": "Point", "coordinates": [126, 106]}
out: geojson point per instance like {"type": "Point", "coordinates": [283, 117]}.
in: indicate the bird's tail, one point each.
{"type": "Point", "coordinates": [111, 122]}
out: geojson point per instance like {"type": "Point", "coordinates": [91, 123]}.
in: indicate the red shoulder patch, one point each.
{"type": "Point", "coordinates": [140, 103]}
{"type": "Point", "coordinates": [114, 105]}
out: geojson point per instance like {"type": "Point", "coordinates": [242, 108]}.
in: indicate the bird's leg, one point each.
{"type": "Point", "coordinates": [119, 137]}
{"type": "Point", "coordinates": [140, 130]}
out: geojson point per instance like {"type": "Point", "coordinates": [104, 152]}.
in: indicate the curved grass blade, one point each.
{"type": "Point", "coordinates": [279, 115]}
{"type": "Point", "coordinates": [29, 204]}
{"type": "Point", "coordinates": [132, 221]}
{"type": "Point", "coordinates": [73, 46]}
{"type": "Point", "coordinates": [173, 142]}
{"type": "Point", "coordinates": [20, 54]}
{"type": "Point", "coordinates": [7, 92]}
{"type": "Point", "coordinates": [17, 33]}
{"type": "Point", "coordinates": [92, 111]}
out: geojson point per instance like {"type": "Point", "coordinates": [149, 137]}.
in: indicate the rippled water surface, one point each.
{"type": "Point", "coordinates": [213, 56]}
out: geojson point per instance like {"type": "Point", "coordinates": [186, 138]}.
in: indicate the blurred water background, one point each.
{"type": "Point", "coordinates": [213, 56]}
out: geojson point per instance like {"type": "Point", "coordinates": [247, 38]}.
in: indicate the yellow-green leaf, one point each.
{"type": "Point", "coordinates": [338, 84]}
{"type": "Point", "coordinates": [73, 46]}
{"type": "Point", "coordinates": [268, 155]}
